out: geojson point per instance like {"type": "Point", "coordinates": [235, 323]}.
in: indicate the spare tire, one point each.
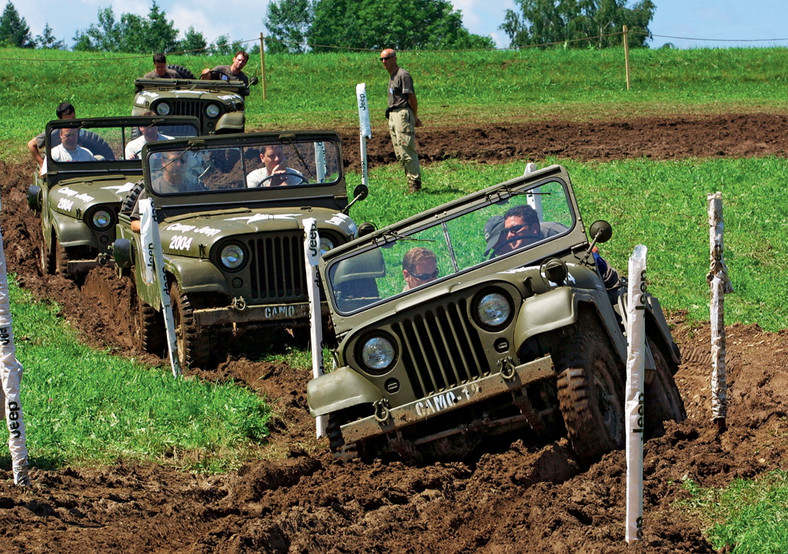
{"type": "Point", "coordinates": [182, 72]}
{"type": "Point", "coordinates": [96, 144]}
{"type": "Point", "coordinates": [127, 206]}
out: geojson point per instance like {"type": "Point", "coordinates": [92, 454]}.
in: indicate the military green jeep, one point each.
{"type": "Point", "coordinates": [481, 317]}
{"type": "Point", "coordinates": [231, 211]}
{"type": "Point", "coordinates": [218, 104]}
{"type": "Point", "coordinates": [79, 195]}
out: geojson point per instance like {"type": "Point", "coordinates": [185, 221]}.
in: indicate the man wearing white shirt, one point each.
{"type": "Point", "coordinates": [274, 171]}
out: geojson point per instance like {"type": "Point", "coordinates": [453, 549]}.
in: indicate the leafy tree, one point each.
{"type": "Point", "coordinates": [402, 24]}
{"type": "Point", "coordinates": [13, 29]}
{"type": "Point", "coordinates": [193, 42]}
{"type": "Point", "coordinates": [222, 46]}
{"type": "Point", "coordinates": [288, 23]}
{"type": "Point", "coordinates": [48, 41]}
{"type": "Point", "coordinates": [540, 22]}
{"type": "Point", "coordinates": [133, 33]}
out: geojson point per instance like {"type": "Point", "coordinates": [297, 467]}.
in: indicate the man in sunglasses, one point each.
{"type": "Point", "coordinates": [419, 267]}
{"type": "Point", "coordinates": [403, 119]}
{"type": "Point", "coordinates": [520, 227]}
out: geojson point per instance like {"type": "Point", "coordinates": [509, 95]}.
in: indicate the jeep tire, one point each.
{"type": "Point", "coordinates": [194, 346]}
{"type": "Point", "coordinates": [590, 390]}
{"type": "Point", "coordinates": [663, 400]}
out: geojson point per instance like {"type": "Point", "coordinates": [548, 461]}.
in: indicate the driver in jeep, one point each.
{"type": "Point", "coordinates": [274, 171]}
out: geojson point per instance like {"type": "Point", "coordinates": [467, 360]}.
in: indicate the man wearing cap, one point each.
{"type": "Point", "coordinates": [403, 119]}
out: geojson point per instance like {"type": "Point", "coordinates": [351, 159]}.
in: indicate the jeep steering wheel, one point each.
{"type": "Point", "coordinates": [284, 176]}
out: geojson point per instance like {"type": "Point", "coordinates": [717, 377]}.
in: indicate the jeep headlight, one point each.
{"type": "Point", "coordinates": [102, 219]}
{"type": "Point", "coordinates": [163, 108]}
{"type": "Point", "coordinates": [377, 353]}
{"type": "Point", "coordinates": [493, 310]}
{"type": "Point", "coordinates": [326, 244]}
{"type": "Point", "coordinates": [232, 256]}
{"type": "Point", "coordinates": [212, 110]}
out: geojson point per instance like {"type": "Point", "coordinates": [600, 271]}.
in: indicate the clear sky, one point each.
{"type": "Point", "coordinates": [725, 22]}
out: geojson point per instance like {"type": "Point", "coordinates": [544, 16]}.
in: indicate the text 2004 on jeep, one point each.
{"type": "Point", "coordinates": [231, 211]}
{"type": "Point", "coordinates": [80, 193]}
{"type": "Point", "coordinates": [502, 325]}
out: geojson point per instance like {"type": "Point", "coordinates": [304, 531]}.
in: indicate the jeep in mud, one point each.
{"type": "Point", "coordinates": [480, 317]}
{"type": "Point", "coordinates": [218, 104]}
{"type": "Point", "coordinates": [79, 196]}
{"type": "Point", "coordinates": [231, 226]}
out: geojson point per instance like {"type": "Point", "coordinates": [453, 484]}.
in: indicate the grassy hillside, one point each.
{"type": "Point", "coordinates": [318, 90]}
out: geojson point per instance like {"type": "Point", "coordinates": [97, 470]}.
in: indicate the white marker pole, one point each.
{"type": "Point", "coordinates": [311, 259]}
{"type": "Point", "coordinates": [365, 129]}
{"type": "Point", "coordinates": [11, 373]}
{"type": "Point", "coordinates": [534, 198]}
{"type": "Point", "coordinates": [634, 407]}
{"type": "Point", "coordinates": [154, 267]}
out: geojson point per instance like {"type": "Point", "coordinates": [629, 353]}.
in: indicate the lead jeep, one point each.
{"type": "Point", "coordinates": [79, 200]}
{"type": "Point", "coordinates": [218, 104]}
{"type": "Point", "coordinates": [509, 335]}
{"type": "Point", "coordinates": [233, 253]}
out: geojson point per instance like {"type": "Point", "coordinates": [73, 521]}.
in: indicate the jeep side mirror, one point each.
{"type": "Point", "coordinates": [359, 193]}
{"type": "Point", "coordinates": [601, 231]}
{"type": "Point", "coordinates": [253, 81]}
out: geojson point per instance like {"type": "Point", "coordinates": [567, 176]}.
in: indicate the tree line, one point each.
{"type": "Point", "coordinates": [298, 26]}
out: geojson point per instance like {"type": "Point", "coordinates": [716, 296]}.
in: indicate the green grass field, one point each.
{"type": "Point", "coordinates": [88, 407]}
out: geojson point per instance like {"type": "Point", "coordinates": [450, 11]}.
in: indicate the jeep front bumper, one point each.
{"type": "Point", "coordinates": [387, 419]}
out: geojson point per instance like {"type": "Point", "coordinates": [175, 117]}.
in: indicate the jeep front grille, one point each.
{"type": "Point", "coordinates": [277, 268]}
{"type": "Point", "coordinates": [186, 107]}
{"type": "Point", "coordinates": [441, 349]}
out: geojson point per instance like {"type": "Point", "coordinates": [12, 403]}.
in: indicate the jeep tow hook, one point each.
{"type": "Point", "coordinates": [238, 303]}
{"type": "Point", "coordinates": [507, 368]}
{"type": "Point", "coordinates": [382, 413]}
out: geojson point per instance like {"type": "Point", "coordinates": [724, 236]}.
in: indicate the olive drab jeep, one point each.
{"type": "Point", "coordinates": [232, 235]}
{"type": "Point", "coordinates": [218, 104]}
{"type": "Point", "coordinates": [501, 325]}
{"type": "Point", "coordinates": [79, 197]}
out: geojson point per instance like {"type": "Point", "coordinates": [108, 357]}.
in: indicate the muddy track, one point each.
{"type": "Point", "coordinates": [522, 498]}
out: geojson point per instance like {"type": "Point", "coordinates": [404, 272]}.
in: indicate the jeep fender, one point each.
{"type": "Point", "coordinates": [72, 232]}
{"type": "Point", "coordinates": [196, 276]}
{"type": "Point", "coordinates": [342, 388]}
{"type": "Point", "coordinates": [558, 308]}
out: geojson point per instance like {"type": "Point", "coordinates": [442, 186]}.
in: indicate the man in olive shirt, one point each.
{"type": "Point", "coordinates": [161, 71]}
{"type": "Point", "coordinates": [403, 119]}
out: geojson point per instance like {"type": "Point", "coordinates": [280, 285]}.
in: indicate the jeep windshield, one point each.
{"type": "Point", "coordinates": [430, 249]}
{"type": "Point", "coordinates": [87, 143]}
{"type": "Point", "coordinates": [205, 167]}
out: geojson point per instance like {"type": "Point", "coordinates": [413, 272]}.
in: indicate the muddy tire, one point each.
{"type": "Point", "coordinates": [183, 73]}
{"type": "Point", "coordinates": [663, 401]}
{"type": "Point", "coordinates": [149, 332]}
{"type": "Point", "coordinates": [339, 449]}
{"type": "Point", "coordinates": [590, 390]}
{"type": "Point", "coordinates": [59, 259]}
{"type": "Point", "coordinates": [45, 261]}
{"type": "Point", "coordinates": [194, 346]}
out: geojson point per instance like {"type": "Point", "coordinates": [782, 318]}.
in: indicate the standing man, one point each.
{"type": "Point", "coordinates": [402, 113]}
{"type": "Point", "coordinates": [64, 111]}
{"type": "Point", "coordinates": [161, 70]}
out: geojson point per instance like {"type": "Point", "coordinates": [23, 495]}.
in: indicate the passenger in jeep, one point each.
{"type": "Point", "coordinates": [161, 70]}
{"type": "Point", "coordinates": [419, 267]}
{"type": "Point", "coordinates": [64, 111]}
{"type": "Point", "coordinates": [231, 72]}
{"type": "Point", "coordinates": [149, 133]}
{"type": "Point", "coordinates": [274, 171]}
